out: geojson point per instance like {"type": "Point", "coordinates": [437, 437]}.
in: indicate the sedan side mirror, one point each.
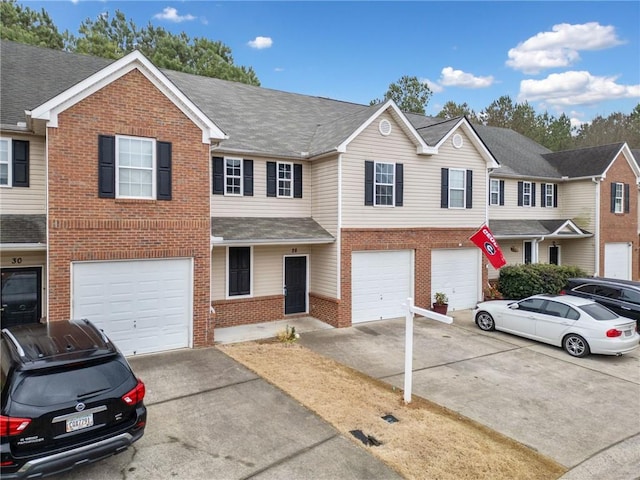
{"type": "Point", "coordinates": [514, 306]}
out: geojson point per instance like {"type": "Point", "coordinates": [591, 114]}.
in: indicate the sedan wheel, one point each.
{"type": "Point", "coordinates": [485, 322]}
{"type": "Point", "coordinates": [575, 345]}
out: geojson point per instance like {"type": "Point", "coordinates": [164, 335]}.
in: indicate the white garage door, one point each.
{"type": "Point", "coordinates": [456, 272]}
{"type": "Point", "coordinates": [144, 306]}
{"type": "Point", "coordinates": [381, 282]}
{"type": "Point", "coordinates": [617, 260]}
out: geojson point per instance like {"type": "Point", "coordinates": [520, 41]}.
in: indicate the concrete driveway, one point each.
{"type": "Point", "coordinates": [211, 418]}
{"type": "Point", "coordinates": [584, 413]}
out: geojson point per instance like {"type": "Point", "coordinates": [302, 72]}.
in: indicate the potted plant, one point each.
{"type": "Point", "coordinates": [441, 303]}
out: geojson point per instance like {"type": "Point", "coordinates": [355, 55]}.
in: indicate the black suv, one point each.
{"type": "Point", "coordinates": [621, 296]}
{"type": "Point", "coordinates": [69, 397]}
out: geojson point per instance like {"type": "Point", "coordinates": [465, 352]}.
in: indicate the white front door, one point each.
{"type": "Point", "coordinates": [617, 260]}
{"type": "Point", "coordinates": [381, 282]}
{"type": "Point", "coordinates": [144, 306]}
{"type": "Point", "coordinates": [456, 272]}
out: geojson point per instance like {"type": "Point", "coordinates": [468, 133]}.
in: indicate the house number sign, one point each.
{"type": "Point", "coordinates": [16, 260]}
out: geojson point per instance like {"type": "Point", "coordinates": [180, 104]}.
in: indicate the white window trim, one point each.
{"type": "Point", "coordinates": [153, 167]}
{"type": "Point", "coordinates": [619, 199]}
{"type": "Point", "coordinates": [464, 188]}
{"type": "Point", "coordinates": [495, 182]}
{"type": "Point", "coordinates": [278, 179]}
{"type": "Point", "coordinates": [9, 162]}
{"type": "Point", "coordinates": [526, 195]}
{"type": "Point", "coordinates": [241, 177]}
{"type": "Point", "coordinates": [251, 275]}
{"type": "Point", "coordinates": [549, 196]}
{"type": "Point", "coordinates": [392, 184]}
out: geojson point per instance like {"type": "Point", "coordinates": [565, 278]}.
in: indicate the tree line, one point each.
{"type": "Point", "coordinates": [114, 37]}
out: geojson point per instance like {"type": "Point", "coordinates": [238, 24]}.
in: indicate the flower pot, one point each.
{"type": "Point", "coordinates": [440, 308]}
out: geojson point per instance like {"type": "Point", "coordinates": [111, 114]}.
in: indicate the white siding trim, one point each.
{"type": "Point", "coordinates": [339, 231]}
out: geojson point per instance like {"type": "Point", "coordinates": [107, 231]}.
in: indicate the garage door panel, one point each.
{"type": "Point", "coordinates": [381, 283]}
{"type": "Point", "coordinates": [456, 273]}
{"type": "Point", "coordinates": [617, 260]}
{"type": "Point", "coordinates": [143, 306]}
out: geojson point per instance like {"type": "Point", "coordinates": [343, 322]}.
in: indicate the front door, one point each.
{"type": "Point", "coordinates": [295, 285]}
{"type": "Point", "coordinates": [554, 255]}
{"type": "Point", "coordinates": [21, 296]}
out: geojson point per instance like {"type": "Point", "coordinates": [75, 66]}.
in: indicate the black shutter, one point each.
{"type": "Point", "coordinates": [106, 166]}
{"type": "Point", "coordinates": [368, 182]}
{"type": "Point", "coordinates": [444, 188]}
{"type": "Point", "coordinates": [164, 170]}
{"type": "Point", "coordinates": [555, 195]}
{"type": "Point", "coordinates": [501, 192]}
{"type": "Point", "coordinates": [520, 193]}
{"type": "Point", "coordinates": [20, 163]}
{"type": "Point", "coordinates": [399, 184]}
{"type": "Point", "coordinates": [271, 179]}
{"type": "Point", "coordinates": [626, 198]}
{"type": "Point", "coordinates": [218, 175]}
{"type": "Point", "coordinates": [543, 192]}
{"type": "Point", "coordinates": [469, 193]}
{"type": "Point", "coordinates": [613, 197]}
{"type": "Point", "coordinates": [297, 180]}
{"type": "Point", "coordinates": [247, 178]}
{"type": "Point", "coordinates": [533, 194]}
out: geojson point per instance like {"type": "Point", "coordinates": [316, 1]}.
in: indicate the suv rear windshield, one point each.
{"type": "Point", "coordinates": [71, 384]}
{"type": "Point", "coordinates": [598, 312]}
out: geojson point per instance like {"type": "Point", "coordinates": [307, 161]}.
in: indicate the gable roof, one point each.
{"type": "Point", "coordinates": [590, 161]}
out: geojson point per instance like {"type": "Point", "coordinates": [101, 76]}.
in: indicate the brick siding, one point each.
{"type": "Point", "coordinates": [84, 227]}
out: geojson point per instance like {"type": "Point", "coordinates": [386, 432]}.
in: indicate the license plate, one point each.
{"type": "Point", "coordinates": [628, 333]}
{"type": "Point", "coordinates": [79, 422]}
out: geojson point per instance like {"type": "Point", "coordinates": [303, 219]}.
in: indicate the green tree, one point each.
{"type": "Point", "coordinates": [617, 127]}
{"type": "Point", "coordinates": [24, 25]}
{"type": "Point", "coordinates": [453, 110]}
{"type": "Point", "coordinates": [409, 93]}
{"type": "Point", "coordinates": [499, 113]}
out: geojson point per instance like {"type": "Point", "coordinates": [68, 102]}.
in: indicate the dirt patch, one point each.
{"type": "Point", "coordinates": [428, 441]}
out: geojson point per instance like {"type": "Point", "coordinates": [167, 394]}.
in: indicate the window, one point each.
{"type": "Point", "coordinates": [456, 188]}
{"type": "Point", "coordinates": [5, 162]}
{"type": "Point", "coordinates": [531, 304]}
{"type": "Point", "coordinates": [239, 263]}
{"type": "Point", "coordinates": [558, 309]}
{"type": "Point", "coordinates": [135, 160]}
{"type": "Point", "coordinates": [629, 295]}
{"type": "Point", "coordinates": [233, 176]}
{"type": "Point", "coordinates": [494, 192]}
{"type": "Point", "coordinates": [526, 194]}
{"type": "Point", "coordinates": [549, 191]}
{"type": "Point", "coordinates": [285, 179]}
{"type": "Point", "coordinates": [384, 183]}
{"type": "Point", "coordinates": [619, 198]}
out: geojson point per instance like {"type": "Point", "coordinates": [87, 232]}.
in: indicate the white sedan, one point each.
{"type": "Point", "coordinates": [579, 325]}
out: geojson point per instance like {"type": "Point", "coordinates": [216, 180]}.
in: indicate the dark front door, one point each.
{"type": "Point", "coordinates": [295, 284]}
{"type": "Point", "coordinates": [554, 255]}
{"type": "Point", "coordinates": [21, 296]}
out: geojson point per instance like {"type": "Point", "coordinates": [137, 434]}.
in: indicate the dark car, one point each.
{"type": "Point", "coordinates": [621, 296]}
{"type": "Point", "coordinates": [69, 397]}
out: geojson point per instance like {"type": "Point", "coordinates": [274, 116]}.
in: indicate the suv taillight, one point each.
{"type": "Point", "coordinates": [10, 426]}
{"type": "Point", "coordinates": [136, 395]}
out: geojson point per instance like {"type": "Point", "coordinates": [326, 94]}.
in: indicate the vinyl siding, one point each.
{"type": "Point", "coordinates": [421, 182]}
{"type": "Point", "coordinates": [579, 203]}
{"type": "Point", "coordinates": [267, 275]}
{"type": "Point", "coordinates": [259, 205]}
{"type": "Point", "coordinates": [579, 252]}
{"type": "Point", "coordinates": [324, 270]}
{"type": "Point", "coordinates": [29, 200]}
{"type": "Point", "coordinates": [510, 210]}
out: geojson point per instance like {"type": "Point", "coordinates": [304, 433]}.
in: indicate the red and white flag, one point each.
{"type": "Point", "coordinates": [486, 242]}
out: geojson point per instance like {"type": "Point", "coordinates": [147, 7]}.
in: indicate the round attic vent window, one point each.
{"type": "Point", "coordinates": [457, 140]}
{"type": "Point", "coordinates": [384, 127]}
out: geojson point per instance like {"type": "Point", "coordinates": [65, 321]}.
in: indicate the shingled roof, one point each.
{"type": "Point", "coordinates": [16, 229]}
{"type": "Point", "coordinates": [584, 162]}
{"type": "Point", "coordinates": [267, 230]}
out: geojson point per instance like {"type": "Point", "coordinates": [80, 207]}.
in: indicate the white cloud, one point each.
{"type": "Point", "coordinates": [457, 78]}
{"type": "Point", "coordinates": [278, 69]}
{"type": "Point", "coordinates": [435, 87]}
{"type": "Point", "coordinates": [170, 14]}
{"type": "Point", "coordinates": [575, 88]}
{"type": "Point", "coordinates": [560, 47]}
{"type": "Point", "coordinates": [260, 43]}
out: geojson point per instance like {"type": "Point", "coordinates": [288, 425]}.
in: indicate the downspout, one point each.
{"type": "Point", "coordinates": [339, 231]}
{"type": "Point", "coordinates": [535, 253]}
{"type": "Point", "coordinates": [596, 267]}
{"type": "Point", "coordinates": [46, 206]}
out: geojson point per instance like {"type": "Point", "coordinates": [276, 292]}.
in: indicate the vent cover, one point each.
{"type": "Point", "coordinates": [457, 140]}
{"type": "Point", "coordinates": [384, 127]}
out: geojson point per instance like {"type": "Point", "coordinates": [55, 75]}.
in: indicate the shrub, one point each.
{"type": "Point", "coordinates": [520, 281]}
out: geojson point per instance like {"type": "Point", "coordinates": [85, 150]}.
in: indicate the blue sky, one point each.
{"type": "Point", "coordinates": [581, 58]}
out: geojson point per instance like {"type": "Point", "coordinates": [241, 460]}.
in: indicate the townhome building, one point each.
{"type": "Point", "coordinates": [163, 205]}
{"type": "Point", "coordinates": [577, 207]}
